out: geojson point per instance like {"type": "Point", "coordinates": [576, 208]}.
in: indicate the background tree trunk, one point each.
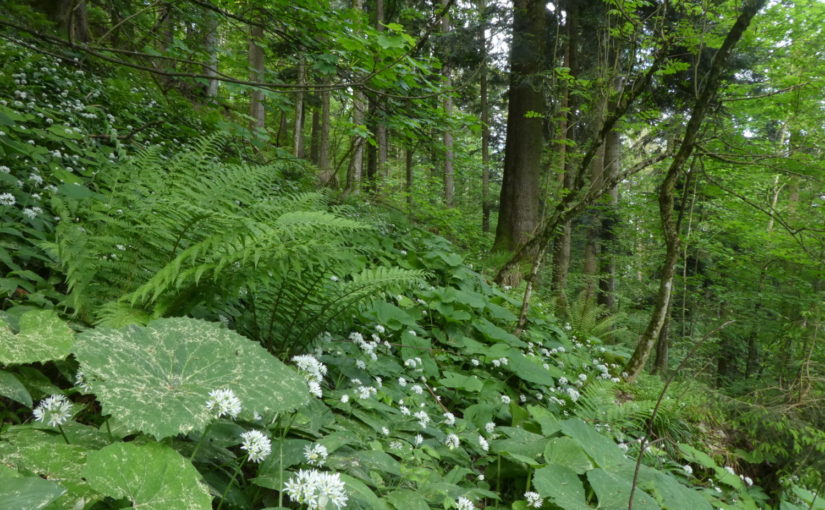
{"type": "Point", "coordinates": [519, 204]}
{"type": "Point", "coordinates": [256, 67]}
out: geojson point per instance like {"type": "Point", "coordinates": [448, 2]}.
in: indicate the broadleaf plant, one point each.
{"type": "Point", "coordinates": [43, 336]}
{"type": "Point", "coordinates": [156, 379]}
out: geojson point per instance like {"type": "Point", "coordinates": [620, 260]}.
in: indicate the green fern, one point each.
{"type": "Point", "coordinates": [590, 319]}
{"type": "Point", "coordinates": [189, 235]}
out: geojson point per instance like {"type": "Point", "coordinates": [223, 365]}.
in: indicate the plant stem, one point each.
{"type": "Point", "coordinates": [232, 481]}
{"type": "Point", "coordinates": [200, 442]}
{"type": "Point", "coordinates": [60, 428]}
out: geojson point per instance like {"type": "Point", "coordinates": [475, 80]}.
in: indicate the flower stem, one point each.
{"type": "Point", "coordinates": [232, 481]}
{"type": "Point", "coordinates": [200, 442]}
{"type": "Point", "coordinates": [60, 428]}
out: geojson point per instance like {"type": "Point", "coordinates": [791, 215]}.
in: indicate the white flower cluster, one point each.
{"type": "Point", "coordinates": [533, 499]}
{"type": "Point", "coordinates": [369, 348]}
{"type": "Point", "coordinates": [314, 372]}
{"type": "Point", "coordinates": [7, 199]}
{"type": "Point", "coordinates": [464, 504]}
{"type": "Point", "coordinates": [54, 410]}
{"type": "Point", "coordinates": [316, 454]}
{"type": "Point", "coordinates": [449, 419]}
{"type": "Point", "coordinates": [316, 489]}
{"type": "Point", "coordinates": [256, 444]}
{"type": "Point", "coordinates": [483, 443]}
{"type": "Point", "coordinates": [452, 441]}
{"type": "Point", "coordinates": [223, 402]}
{"type": "Point", "coordinates": [423, 418]}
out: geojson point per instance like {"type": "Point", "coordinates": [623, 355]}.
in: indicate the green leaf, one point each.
{"type": "Point", "coordinates": [48, 456]}
{"type": "Point", "coordinates": [496, 334]}
{"type": "Point", "coordinates": [562, 486]}
{"type": "Point", "coordinates": [530, 370]}
{"type": "Point", "coordinates": [604, 452]}
{"type": "Point", "coordinates": [407, 500]}
{"type": "Point", "coordinates": [29, 493]}
{"type": "Point", "coordinates": [157, 379]}
{"type": "Point", "coordinates": [42, 337]}
{"type": "Point", "coordinates": [568, 452]}
{"type": "Point", "coordinates": [614, 492]}
{"type": "Point", "coordinates": [12, 388]}
{"type": "Point", "coordinates": [151, 476]}
{"type": "Point", "coordinates": [673, 495]}
{"type": "Point", "coordinates": [469, 383]}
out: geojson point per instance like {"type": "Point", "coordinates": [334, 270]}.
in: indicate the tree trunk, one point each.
{"type": "Point", "coordinates": [449, 171]}
{"type": "Point", "coordinates": [609, 220]}
{"type": "Point", "coordinates": [256, 67]}
{"type": "Point", "coordinates": [323, 141]}
{"type": "Point", "coordinates": [408, 170]}
{"type": "Point", "coordinates": [381, 141]}
{"type": "Point", "coordinates": [519, 204]}
{"type": "Point", "coordinates": [661, 360]}
{"type": "Point", "coordinates": [485, 130]}
{"type": "Point", "coordinates": [666, 192]}
{"type": "Point", "coordinates": [298, 130]}
{"type": "Point", "coordinates": [211, 42]}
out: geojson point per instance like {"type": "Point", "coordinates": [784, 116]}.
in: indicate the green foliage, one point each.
{"type": "Point", "coordinates": [150, 476]}
{"type": "Point", "coordinates": [183, 360]}
{"type": "Point", "coordinates": [43, 336]}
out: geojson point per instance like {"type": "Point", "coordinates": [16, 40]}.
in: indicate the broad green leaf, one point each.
{"type": "Point", "coordinates": [547, 420]}
{"type": "Point", "coordinates": [151, 476]}
{"type": "Point", "coordinates": [407, 500]}
{"type": "Point", "coordinates": [462, 382]}
{"type": "Point", "coordinates": [157, 379]}
{"type": "Point", "coordinates": [568, 452]}
{"type": "Point", "coordinates": [29, 493]}
{"type": "Point", "coordinates": [42, 337]}
{"type": "Point", "coordinates": [12, 388]}
{"type": "Point", "coordinates": [613, 492]}
{"type": "Point", "coordinates": [562, 486]}
{"type": "Point", "coordinates": [530, 370]}
{"type": "Point", "coordinates": [673, 495]}
{"type": "Point", "coordinates": [361, 496]}
{"type": "Point", "coordinates": [496, 334]}
{"type": "Point", "coordinates": [51, 458]}
{"type": "Point", "coordinates": [604, 452]}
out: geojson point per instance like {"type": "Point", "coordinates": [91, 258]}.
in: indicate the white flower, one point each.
{"type": "Point", "coordinates": [505, 399]}
{"type": "Point", "coordinates": [688, 469]}
{"type": "Point", "coordinates": [313, 369]}
{"type": "Point", "coordinates": [344, 398]}
{"type": "Point", "coordinates": [449, 419]}
{"type": "Point", "coordinates": [316, 454]}
{"type": "Point", "coordinates": [404, 410]}
{"type": "Point", "coordinates": [483, 443]}
{"type": "Point", "coordinates": [475, 362]}
{"type": "Point", "coordinates": [315, 389]}
{"type": "Point", "coordinates": [256, 444]}
{"type": "Point", "coordinates": [54, 410]}
{"type": "Point", "coordinates": [365, 392]}
{"type": "Point", "coordinates": [7, 199]}
{"type": "Point", "coordinates": [396, 445]}
{"type": "Point", "coordinates": [81, 382]}
{"type": "Point", "coordinates": [380, 328]}
{"type": "Point", "coordinates": [30, 213]}
{"type": "Point", "coordinates": [223, 402]}
{"type": "Point", "coordinates": [573, 394]}
{"type": "Point", "coordinates": [489, 427]}
{"type": "Point", "coordinates": [423, 418]}
{"type": "Point", "coordinates": [522, 398]}
{"type": "Point", "coordinates": [730, 470]}
{"type": "Point", "coordinates": [417, 389]}
{"type": "Point", "coordinates": [402, 382]}
{"type": "Point", "coordinates": [385, 431]}
{"type": "Point", "coordinates": [464, 504]}
{"type": "Point", "coordinates": [5, 169]}
{"type": "Point", "coordinates": [480, 477]}
{"type": "Point", "coordinates": [452, 441]}
{"type": "Point", "coordinates": [748, 481]}
{"type": "Point", "coordinates": [333, 278]}
{"type": "Point", "coordinates": [533, 499]}
{"type": "Point", "coordinates": [360, 364]}
{"type": "Point", "coordinates": [316, 489]}
{"type": "Point", "coordinates": [582, 377]}
{"type": "Point", "coordinates": [418, 439]}
{"type": "Point", "coordinates": [413, 333]}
